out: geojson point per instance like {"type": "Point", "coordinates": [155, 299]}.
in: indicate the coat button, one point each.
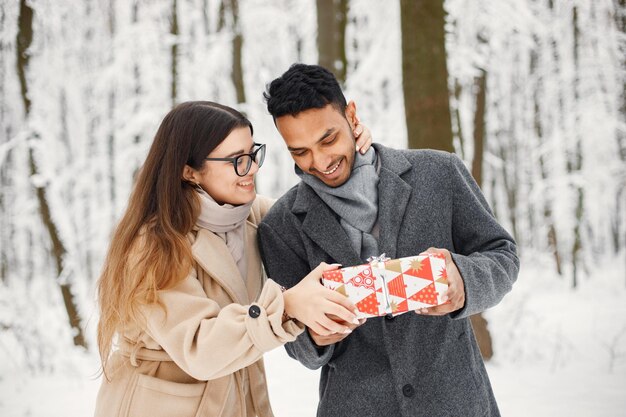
{"type": "Point", "coordinates": [254, 311]}
{"type": "Point", "coordinates": [408, 390]}
{"type": "Point", "coordinates": [389, 316]}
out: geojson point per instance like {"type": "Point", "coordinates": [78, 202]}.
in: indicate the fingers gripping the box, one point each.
{"type": "Point", "coordinates": [455, 294]}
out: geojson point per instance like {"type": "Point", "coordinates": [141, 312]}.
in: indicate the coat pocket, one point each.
{"type": "Point", "coordinates": [154, 397]}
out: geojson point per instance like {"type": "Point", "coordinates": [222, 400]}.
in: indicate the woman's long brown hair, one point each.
{"type": "Point", "coordinates": [149, 250]}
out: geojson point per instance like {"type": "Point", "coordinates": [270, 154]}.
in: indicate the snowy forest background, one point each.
{"type": "Point", "coordinates": [534, 101]}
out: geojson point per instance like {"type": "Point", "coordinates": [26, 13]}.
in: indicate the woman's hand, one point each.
{"type": "Point", "coordinates": [310, 303]}
{"type": "Point", "coordinates": [363, 137]}
{"type": "Point", "coordinates": [333, 338]}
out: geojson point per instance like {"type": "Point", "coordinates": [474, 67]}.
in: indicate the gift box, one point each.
{"type": "Point", "coordinates": [391, 286]}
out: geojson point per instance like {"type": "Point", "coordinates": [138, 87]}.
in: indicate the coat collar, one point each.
{"type": "Point", "coordinates": [212, 254]}
{"type": "Point", "coordinates": [322, 226]}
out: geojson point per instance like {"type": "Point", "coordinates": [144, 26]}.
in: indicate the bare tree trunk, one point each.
{"type": "Point", "coordinates": [111, 118]}
{"type": "Point", "coordinates": [237, 73]}
{"type": "Point", "coordinates": [575, 163]}
{"type": "Point", "coordinates": [6, 227]}
{"type": "Point", "coordinates": [425, 75]}
{"type": "Point", "coordinates": [510, 186]}
{"type": "Point", "coordinates": [426, 100]}
{"type": "Point", "coordinates": [620, 18]}
{"type": "Point", "coordinates": [538, 130]}
{"type": "Point", "coordinates": [479, 323]}
{"type": "Point", "coordinates": [458, 89]}
{"type": "Point", "coordinates": [24, 39]}
{"type": "Point", "coordinates": [506, 148]}
{"type": "Point", "coordinates": [479, 126]}
{"type": "Point", "coordinates": [174, 53]}
{"type": "Point", "coordinates": [206, 17]}
{"type": "Point", "coordinates": [332, 18]}
{"type": "Point", "coordinates": [553, 237]}
{"type": "Point", "coordinates": [5, 232]}
{"type": "Point", "coordinates": [618, 225]}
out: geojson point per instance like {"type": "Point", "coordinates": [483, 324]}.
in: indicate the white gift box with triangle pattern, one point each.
{"type": "Point", "coordinates": [393, 286]}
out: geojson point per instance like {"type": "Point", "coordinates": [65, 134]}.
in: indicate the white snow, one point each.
{"type": "Point", "coordinates": [558, 353]}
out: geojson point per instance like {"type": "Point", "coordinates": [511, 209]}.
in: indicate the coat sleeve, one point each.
{"type": "Point", "coordinates": [287, 268]}
{"type": "Point", "coordinates": [207, 341]}
{"type": "Point", "coordinates": [484, 252]}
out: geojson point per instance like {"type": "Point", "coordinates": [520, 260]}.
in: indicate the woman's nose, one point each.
{"type": "Point", "coordinates": [254, 167]}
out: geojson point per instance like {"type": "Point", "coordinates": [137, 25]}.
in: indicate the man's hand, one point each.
{"type": "Point", "coordinates": [335, 337]}
{"type": "Point", "coordinates": [455, 295]}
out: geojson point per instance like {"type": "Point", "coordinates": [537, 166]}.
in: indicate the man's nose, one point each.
{"type": "Point", "coordinates": [322, 161]}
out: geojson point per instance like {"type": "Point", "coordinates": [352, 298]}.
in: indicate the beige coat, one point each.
{"type": "Point", "coordinates": [202, 358]}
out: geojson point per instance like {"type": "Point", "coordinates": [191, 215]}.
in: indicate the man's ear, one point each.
{"type": "Point", "coordinates": [189, 174]}
{"type": "Point", "coordinates": [351, 115]}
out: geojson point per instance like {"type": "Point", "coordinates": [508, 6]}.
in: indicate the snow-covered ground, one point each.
{"type": "Point", "coordinates": [558, 353]}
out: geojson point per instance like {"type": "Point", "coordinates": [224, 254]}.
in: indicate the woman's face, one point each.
{"type": "Point", "coordinates": [219, 179]}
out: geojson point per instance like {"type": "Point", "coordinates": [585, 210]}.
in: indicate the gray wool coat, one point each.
{"type": "Point", "coordinates": [410, 365]}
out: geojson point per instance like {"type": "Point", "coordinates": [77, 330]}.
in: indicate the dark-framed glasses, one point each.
{"type": "Point", "coordinates": [243, 162]}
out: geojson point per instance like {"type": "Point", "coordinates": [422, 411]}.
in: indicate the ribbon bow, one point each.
{"type": "Point", "coordinates": [381, 258]}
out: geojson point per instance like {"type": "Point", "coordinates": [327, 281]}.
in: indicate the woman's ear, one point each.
{"type": "Point", "coordinates": [189, 174]}
{"type": "Point", "coordinates": [351, 115]}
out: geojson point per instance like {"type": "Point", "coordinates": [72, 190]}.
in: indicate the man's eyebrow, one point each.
{"type": "Point", "coordinates": [324, 136]}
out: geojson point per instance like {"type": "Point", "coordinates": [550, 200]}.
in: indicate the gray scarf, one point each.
{"type": "Point", "coordinates": [228, 222]}
{"type": "Point", "coordinates": [355, 201]}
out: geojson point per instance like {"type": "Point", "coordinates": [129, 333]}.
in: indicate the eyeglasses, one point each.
{"type": "Point", "coordinates": [242, 163]}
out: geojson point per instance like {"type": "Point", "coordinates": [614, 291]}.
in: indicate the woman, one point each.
{"type": "Point", "coordinates": [182, 290]}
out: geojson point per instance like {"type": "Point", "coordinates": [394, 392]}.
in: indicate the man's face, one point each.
{"type": "Point", "coordinates": [321, 142]}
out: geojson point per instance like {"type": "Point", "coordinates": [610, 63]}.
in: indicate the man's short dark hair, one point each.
{"type": "Point", "coordinates": [303, 87]}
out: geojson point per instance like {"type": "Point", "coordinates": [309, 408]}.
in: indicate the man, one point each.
{"type": "Point", "coordinates": [349, 206]}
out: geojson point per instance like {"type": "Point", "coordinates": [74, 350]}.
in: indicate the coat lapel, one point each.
{"type": "Point", "coordinates": [393, 197]}
{"type": "Point", "coordinates": [212, 254]}
{"type": "Point", "coordinates": [321, 225]}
